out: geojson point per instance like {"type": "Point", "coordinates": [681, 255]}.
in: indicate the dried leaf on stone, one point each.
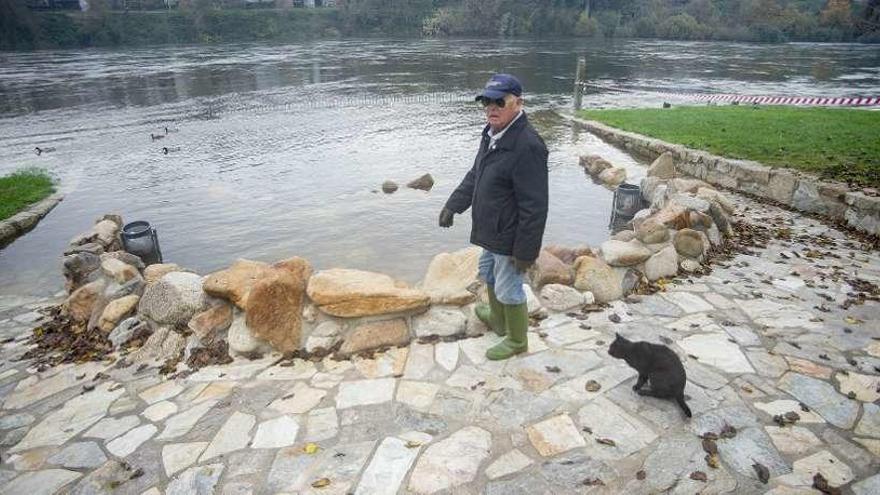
{"type": "Point", "coordinates": [699, 476]}
{"type": "Point", "coordinates": [606, 441]}
{"type": "Point", "coordinates": [614, 318]}
{"type": "Point", "coordinates": [711, 435]}
{"type": "Point", "coordinates": [762, 472]}
{"type": "Point", "coordinates": [311, 448]}
{"type": "Point", "coordinates": [593, 482]}
{"type": "Point", "coordinates": [712, 461]}
{"type": "Point", "coordinates": [641, 475]}
{"type": "Point", "coordinates": [592, 386]}
{"type": "Point", "coordinates": [552, 369]}
{"type": "Point", "coordinates": [709, 446]}
{"type": "Point", "coordinates": [321, 483]}
{"type": "Point", "coordinates": [821, 484]}
{"type": "Point", "coordinates": [412, 445]}
{"type": "Point", "coordinates": [728, 431]}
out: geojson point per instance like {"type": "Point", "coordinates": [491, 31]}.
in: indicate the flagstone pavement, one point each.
{"type": "Point", "coordinates": [766, 333]}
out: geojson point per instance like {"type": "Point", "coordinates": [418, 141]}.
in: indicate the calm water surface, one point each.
{"type": "Point", "coordinates": [278, 151]}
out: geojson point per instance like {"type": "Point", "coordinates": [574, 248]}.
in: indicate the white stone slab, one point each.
{"type": "Point", "coordinates": [364, 392]}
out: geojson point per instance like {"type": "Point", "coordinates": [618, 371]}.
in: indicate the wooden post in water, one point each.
{"type": "Point", "coordinates": [579, 79]}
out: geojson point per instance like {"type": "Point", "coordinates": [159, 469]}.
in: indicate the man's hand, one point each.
{"type": "Point", "coordinates": [522, 265]}
{"type": "Point", "coordinates": [446, 218]}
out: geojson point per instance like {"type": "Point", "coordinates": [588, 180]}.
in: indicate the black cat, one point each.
{"type": "Point", "coordinates": [656, 363]}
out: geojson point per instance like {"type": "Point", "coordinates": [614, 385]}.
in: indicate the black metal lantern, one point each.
{"type": "Point", "coordinates": [140, 239]}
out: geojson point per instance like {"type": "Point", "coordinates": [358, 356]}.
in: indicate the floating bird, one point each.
{"type": "Point", "coordinates": [156, 136]}
{"type": "Point", "coordinates": [40, 151]}
{"type": "Point", "coordinates": [167, 150]}
{"type": "Point", "coordinates": [169, 131]}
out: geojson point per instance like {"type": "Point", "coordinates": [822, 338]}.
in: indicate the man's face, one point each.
{"type": "Point", "coordinates": [498, 117]}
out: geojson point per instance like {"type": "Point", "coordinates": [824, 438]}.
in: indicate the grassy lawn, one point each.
{"type": "Point", "coordinates": [22, 188]}
{"type": "Point", "coordinates": [834, 143]}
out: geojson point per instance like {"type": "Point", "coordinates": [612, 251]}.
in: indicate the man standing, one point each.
{"type": "Point", "coordinates": [506, 190]}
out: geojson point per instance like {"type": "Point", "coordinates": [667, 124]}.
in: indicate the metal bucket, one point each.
{"type": "Point", "coordinates": [140, 239]}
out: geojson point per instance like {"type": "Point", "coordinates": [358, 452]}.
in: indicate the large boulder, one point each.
{"type": "Point", "coordinates": [549, 269]}
{"type": "Point", "coordinates": [613, 176]}
{"type": "Point", "coordinates": [440, 321]}
{"type": "Point", "coordinates": [125, 257]}
{"type": "Point", "coordinates": [683, 185]}
{"type": "Point", "coordinates": [107, 234]}
{"type": "Point", "coordinates": [624, 236]}
{"type": "Point", "coordinates": [714, 196]}
{"type": "Point", "coordinates": [720, 219]}
{"type": "Point", "coordinates": [241, 339]}
{"type": "Point", "coordinates": [688, 243]}
{"type": "Point", "coordinates": [558, 297]}
{"type": "Point", "coordinates": [651, 231]}
{"type": "Point", "coordinates": [594, 164]}
{"type": "Point", "coordinates": [664, 264]}
{"type": "Point", "coordinates": [275, 304]}
{"type": "Point", "coordinates": [116, 310]}
{"type": "Point", "coordinates": [663, 167]}
{"type": "Point", "coordinates": [449, 276]}
{"type": "Point", "coordinates": [174, 299]}
{"type": "Point", "coordinates": [649, 187]}
{"type": "Point", "coordinates": [162, 345]}
{"type": "Point", "coordinates": [594, 275]}
{"type": "Point", "coordinates": [156, 271]}
{"type": "Point", "coordinates": [79, 269]}
{"type": "Point", "coordinates": [209, 325]}
{"type": "Point", "coordinates": [376, 334]}
{"type": "Point", "coordinates": [354, 293]}
{"type": "Point", "coordinates": [82, 301]}
{"type": "Point", "coordinates": [569, 255]}
{"type": "Point", "coordinates": [690, 202]}
{"type": "Point", "coordinates": [700, 221]}
{"type": "Point", "coordinates": [673, 216]}
{"type": "Point", "coordinates": [118, 271]}
{"type": "Point", "coordinates": [235, 283]}
{"type": "Point", "coordinates": [619, 253]}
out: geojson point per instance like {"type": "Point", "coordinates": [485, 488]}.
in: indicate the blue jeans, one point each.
{"type": "Point", "coordinates": [499, 272]}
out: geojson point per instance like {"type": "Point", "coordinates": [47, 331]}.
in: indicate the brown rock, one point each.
{"type": "Point", "coordinates": [156, 271]}
{"type": "Point", "coordinates": [126, 258]}
{"type": "Point", "coordinates": [688, 242]}
{"type": "Point", "coordinates": [208, 324]}
{"type": "Point", "coordinates": [700, 221]}
{"type": "Point", "coordinates": [687, 185]}
{"type": "Point", "coordinates": [663, 167]}
{"type": "Point", "coordinates": [549, 269]}
{"type": "Point", "coordinates": [235, 282]}
{"type": "Point", "coordinates": [652, 231]}
{"type": "Point", "coordinates": [594, 164]}
{"type": "Point", "coordinates": [116, 310]}
{"type": "Point", "coordinates": [106, 232]}
{"type": "Point", "coordinates": [376, 334]}
{"type": "Point", "coordinates": [674, 216]}
{"type": "Point", "coordinates": [80, 304]}
{"type": "Point", "coordinates": [450, 274]}
{"type": "Point", "coordinates": [389, 186]}
{"type": "Point", "coordinates": [569, 255]}
{"type": "Point", "coordinates": [596, 276]}
{"type": "Point", "coordinates": [79, 269]}
{"type": "Point", "coordinates": [714, 196]}
{"type": "Point", "coordinates": [354, 293]}
{"type": "Point", "coordinates": [425, 183]}
{"type": "Point", "coordinates": [117, 270]}
{"type": "Point", "coordinates": [275, 304]}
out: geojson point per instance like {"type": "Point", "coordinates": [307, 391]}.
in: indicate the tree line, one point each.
{"type": "Point", "coordinates": [727, 20]}
{"type": "Point", "coordinates": [195, 21]}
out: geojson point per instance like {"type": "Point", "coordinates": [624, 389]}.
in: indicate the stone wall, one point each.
{"type": "Point", "coordinates": [789, 187]}
{"type": "Point", "coordinates": [23, 221]}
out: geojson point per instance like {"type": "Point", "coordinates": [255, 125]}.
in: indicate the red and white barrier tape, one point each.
{"type": "Point", "coordinates": [852, 101]}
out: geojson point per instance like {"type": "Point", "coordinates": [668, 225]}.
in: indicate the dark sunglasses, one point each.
{"type": "Point", "coordinates": [499, 102]}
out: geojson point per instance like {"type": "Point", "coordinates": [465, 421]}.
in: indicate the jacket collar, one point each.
{"type": "Point", "coordinates": [508, 140]}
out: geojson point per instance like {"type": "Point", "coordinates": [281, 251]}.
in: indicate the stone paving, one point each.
{"type": "Point", "coordinates": [763, 335]}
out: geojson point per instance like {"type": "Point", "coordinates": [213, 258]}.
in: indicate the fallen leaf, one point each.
{"type": "Point", "coordinates": [711, 435]}
{"type": "Point", "coordinates": [614, 317]}
{"type": "Point", "coordinates": [593, 482]}
{"type": "Point", "coordinates": [592, 386]}
{"type": "Point", "coordinates": [411, 444]}
{"type": "Point", "coordinates": [606, 441]}
{"type": "Point", "coordinates": [552, 369]}
{"type": "Point", "coordinates": [709, 446]}
{"type": "Point", "coordinates": [712, 461]}
{"type": "Point", "coordinates": [321, 483]}
{"type": "Point", "coordinates": [641, 475]}
{"type": "Point", "coordinates": [699, 476]}
{"type": "Point", "coordinates": [762, 472]}
{"type": "Point", "coordinates": [821, 484]}
{"type": "Point", "coordinates": [311, 448]}
{"type": "Point", "coordinates": [728, 431]}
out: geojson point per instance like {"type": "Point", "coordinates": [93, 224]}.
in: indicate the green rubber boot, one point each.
{"type": "Point", "coordinates": [516, 342]}
{"type": "Point", "coordinates": [492, 314]}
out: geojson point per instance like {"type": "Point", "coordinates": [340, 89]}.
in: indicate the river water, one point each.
{"type": "Point", "coordinates": [277, 151]}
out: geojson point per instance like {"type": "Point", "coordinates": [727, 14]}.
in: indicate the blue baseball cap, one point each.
{"type": "Point", "coordinates": [501, 85]}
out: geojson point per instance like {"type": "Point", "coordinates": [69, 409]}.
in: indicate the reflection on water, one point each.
{"type": "Point", "coordinates": [280, 150]}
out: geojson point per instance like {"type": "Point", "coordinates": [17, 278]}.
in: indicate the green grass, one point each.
{"type": "Point", "coordinates": [839, 144]}
{"type": "Point", "coordinates": [23, 188]}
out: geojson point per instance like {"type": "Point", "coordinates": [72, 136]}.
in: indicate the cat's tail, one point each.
{"type": "Point", "coordinates": [683, 405]}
